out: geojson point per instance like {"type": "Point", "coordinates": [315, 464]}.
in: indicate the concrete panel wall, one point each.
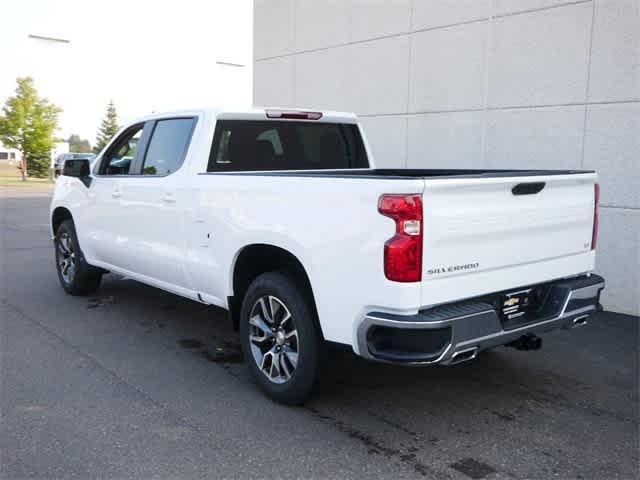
{"type": "Point", "coordinates": [540, 58]}
{"type": "Point", "coordinates": [441, 78]}
{"type": "Point", "coordinates": [477, 83]}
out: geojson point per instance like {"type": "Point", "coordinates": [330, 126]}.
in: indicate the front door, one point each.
{"type": "Point", "coordinates": [106, 232]}
{"type": "Point", "coordinates": [154, 201]}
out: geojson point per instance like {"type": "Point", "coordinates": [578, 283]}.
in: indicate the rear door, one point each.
{"type": "Point", "coordinates": [483, 235]}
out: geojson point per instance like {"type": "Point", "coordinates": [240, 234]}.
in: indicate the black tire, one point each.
{"type": "Point", "coordinates": [76, 276]}
{"type": "Point", "coordinates": [309, 345]}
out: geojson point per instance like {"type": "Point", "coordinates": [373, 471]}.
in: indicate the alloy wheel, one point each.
{"type": "Point", "coordinates": [273, 339]}
{"type": "Point", "coordinates": [66, 258]}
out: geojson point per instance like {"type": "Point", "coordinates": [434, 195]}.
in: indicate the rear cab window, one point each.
{"type": "Point", "coordinates": [263, 145]}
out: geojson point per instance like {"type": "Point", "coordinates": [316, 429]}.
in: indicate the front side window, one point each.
{"type": "Point", "coordinates": [167, 146]}
{"type": "Point", "coordinates": [242, 145]}
{"type": "Point", "coordinates": [118, 159]}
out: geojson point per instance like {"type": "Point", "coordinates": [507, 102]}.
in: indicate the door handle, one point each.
{"type": "Point", "coordinates": [529, 188]}
{"type": "Point", "coordinates": [116, 194]}
{"type": "Point", "coordinates": [168, 198]}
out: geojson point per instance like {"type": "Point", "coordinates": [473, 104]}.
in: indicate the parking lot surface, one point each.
{"type": "Point", "coordinates": [133, 382]}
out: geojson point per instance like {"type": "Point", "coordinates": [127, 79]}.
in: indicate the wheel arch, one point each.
{"type": "Point", "coordinates": [258, 258]}
{"type": "Point", "coordinates": [59, 215]}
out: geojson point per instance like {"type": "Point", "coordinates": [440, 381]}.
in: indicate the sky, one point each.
{"type": "Point", "coordinates": [147, 56]}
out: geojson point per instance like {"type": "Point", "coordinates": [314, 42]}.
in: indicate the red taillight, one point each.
{"type": "Point", "coordinates": [596, 201]}
{"type": "Point", "coordinates": [403, 251]}
{"type": "Point", "coordinates": [293, 115]}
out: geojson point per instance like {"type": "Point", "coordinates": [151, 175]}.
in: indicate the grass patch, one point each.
{"type": "Point", "coordinates": [11, 181]}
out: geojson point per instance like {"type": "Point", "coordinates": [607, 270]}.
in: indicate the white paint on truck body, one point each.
{"type": "Point", "coordinates": [183, 232]}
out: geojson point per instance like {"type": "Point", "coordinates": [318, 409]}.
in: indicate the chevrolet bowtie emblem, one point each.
{"type": "Point", "coordinates": [511, 301]}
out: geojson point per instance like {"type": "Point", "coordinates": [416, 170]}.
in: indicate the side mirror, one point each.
{"type": "Point", "coordinates": [78, 168]}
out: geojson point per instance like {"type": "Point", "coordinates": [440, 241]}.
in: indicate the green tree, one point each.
{"type": "Point", "coordinates": [108, 128]}
{"type": "Point", "coordinates": [78, 145]}
{"type": "Point", "coordinates": [27, 123]}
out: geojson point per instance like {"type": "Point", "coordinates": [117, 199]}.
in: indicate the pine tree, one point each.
{"type": "Point", "coordinates": [108, 128]}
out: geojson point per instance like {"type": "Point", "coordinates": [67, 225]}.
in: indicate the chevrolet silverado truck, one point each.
{"type": "Point", "coordinates": [281, 217]}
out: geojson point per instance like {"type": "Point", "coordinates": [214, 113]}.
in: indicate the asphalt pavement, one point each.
{"type": "Point", "coordinates": [133, 382]}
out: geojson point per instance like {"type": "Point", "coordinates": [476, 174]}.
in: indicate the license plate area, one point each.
{"type": "Point", "coordinates": [516, 304]}
{"type": "Point", "coordinates": [522, 306]}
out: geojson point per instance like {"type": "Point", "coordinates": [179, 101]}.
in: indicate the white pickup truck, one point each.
{"type": "Point", "coordinates": [281, 217]}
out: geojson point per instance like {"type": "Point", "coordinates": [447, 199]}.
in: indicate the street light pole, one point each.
{"type": "Point", "coordinates": [48, 39]}
{"type": "Point", "coordinates": [232, 78]}
{"type": "Point", "coordinates": [54, 40]}
{"type": "Point", "coordinates": [229, 64]}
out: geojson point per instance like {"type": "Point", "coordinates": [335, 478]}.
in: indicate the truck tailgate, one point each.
{"type": "Point", "coordinates": [483, 235]}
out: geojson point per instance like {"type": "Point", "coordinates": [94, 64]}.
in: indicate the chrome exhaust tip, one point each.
{"type": "Point", "coordinates": [580, 321]}
{"type": "Point", "coordinates": [464, 355]}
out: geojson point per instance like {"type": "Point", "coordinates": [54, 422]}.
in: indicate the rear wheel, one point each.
{"type": "Point", "coordinates": [76, 276]}
{"type": "Point", "coordinates": [279, 338]}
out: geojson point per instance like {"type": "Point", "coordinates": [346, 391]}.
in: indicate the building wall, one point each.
{"type": "Point", "coordinates": [477, 83]}
{"type": "Point", "coordinates": [10, 156]}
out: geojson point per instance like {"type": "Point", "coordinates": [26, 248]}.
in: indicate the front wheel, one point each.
{"type": "Point", "coordinates": [76, 276]}
{"type": "Point", "coordinates": [279, 338]}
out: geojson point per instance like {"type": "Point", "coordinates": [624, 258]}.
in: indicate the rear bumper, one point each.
{"type": "Point", "coordinates": [455, 332]}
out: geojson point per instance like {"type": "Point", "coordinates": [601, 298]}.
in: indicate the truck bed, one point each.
{"type": "Point", "coordinates": [485, 230]}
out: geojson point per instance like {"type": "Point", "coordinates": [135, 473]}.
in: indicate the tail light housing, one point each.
{"type": "Point", "coordinates": [596, 215]}
{"type": "Point", "coordinates": [403, 251]}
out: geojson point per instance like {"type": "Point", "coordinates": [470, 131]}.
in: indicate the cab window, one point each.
{"type": "Point", "coordinates": [167, 146]}
{"type": "Point", "coordinates": [255, 145]}
{"type": "Point", "coordinates": [118, 159]}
